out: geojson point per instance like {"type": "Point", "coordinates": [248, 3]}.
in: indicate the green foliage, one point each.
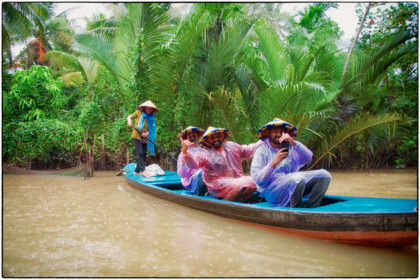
{"type": "Point", "coordinates": [19, 22]}
{"type": "Point", "coordinates": [232, 65]}
{"type": "Point", "coordinates": [7, 80]}
{"type": "Point", "coordinates": [45, 140]}
{"type": "Point", "coordinates": [99, 24]}
{"type": "Point", "coordinates": [34, 94]}
{"type": "Point", "coordinates": [90, 115]}
{"type": "Point", "coordinates": [357, 125]}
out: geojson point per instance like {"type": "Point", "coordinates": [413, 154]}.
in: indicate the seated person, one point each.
{"type": "Point", "coordinates": [221, 162]}
{"type": "Point", "coordinates": [191, 178]}
{"type": "Point", "coordinates": [275, 168]}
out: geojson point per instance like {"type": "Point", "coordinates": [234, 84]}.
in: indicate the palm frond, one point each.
{"type": "Point", "coordinates": [248, 89]}
{"type": "Point", "coordinates": [222, 53]}
{"type": "Point", "coordinates": [355, 126]}
{"type": "Point", "coordinates": [144, 28]}
{"type": "Point", "coordinates": [73, 78]}
{"type": "Point", "coordinates": [100, 49]}
{"type": "Point", "coordinates": [273, 51]}
{"type": "Point", "coordinates": [301, 59]}
{"type": "Point", "coordinates": [61, 60]}
{"type": "Point", "coordinates": [16, 22]}
{"type": "Point", "coordinates": [172, 67]}
{"type": "Point", "coordinates": [366, 68]}
{"type": "Point", "coordinates": [224, 102]}
{"type": "Point", "coordinates": [90, 68]}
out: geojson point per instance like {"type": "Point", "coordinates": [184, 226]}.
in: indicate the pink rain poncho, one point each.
{"type": "Point", "coordinates": [277, 185]}
{"type": "Point", "coordinates": [222, 171]}
{"type": "Point", "coordinates": [190, 177]}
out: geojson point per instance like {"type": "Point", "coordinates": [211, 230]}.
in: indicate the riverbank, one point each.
{"type": "Point", "coordinates": [79, 171]}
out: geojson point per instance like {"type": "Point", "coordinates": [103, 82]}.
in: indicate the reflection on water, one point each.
{"type": "Point", "coordinates": [64, 226]}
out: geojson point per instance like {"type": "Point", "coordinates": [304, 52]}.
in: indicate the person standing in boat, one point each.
{"type": "Point", "coordinates": [221, 162]}
{"type": "Point", "coordinates": [275, 168]}
{"type": "Point", "coordinates": [191, 178]}
{"type": "Point", "coordinates": [144, 120]}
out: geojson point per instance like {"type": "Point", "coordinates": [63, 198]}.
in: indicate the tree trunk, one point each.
{"type": "Point", "coordinates": [90, 159]}
{"type": "Point", "coordinates": [89, 166]}
{"type": "Point", "coordinates": [102, 161]}
{"type": "Point", "coordinates": [355, 39]}
{"type": "Point", "coordinates": [79, 162]}
{"type": "Point", "coordinates": [92, 162]}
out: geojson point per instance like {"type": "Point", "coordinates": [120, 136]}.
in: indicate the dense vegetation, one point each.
{"type": "Point", "coordinates": [231, 65]}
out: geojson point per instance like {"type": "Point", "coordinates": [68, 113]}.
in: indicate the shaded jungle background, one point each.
{"type": "Point", "coordinates": [66, 96]}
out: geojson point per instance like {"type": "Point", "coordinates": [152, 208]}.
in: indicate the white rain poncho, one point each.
{"type": "Point", "coordinates": [277, 185]}
{"type": "Point", "coordinates": [190, 177]}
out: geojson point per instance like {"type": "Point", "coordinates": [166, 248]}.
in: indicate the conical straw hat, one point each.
{"type": "Point", "coordinates": [264, 130]}
{"type": "Point", "coordinates": [183, 133]}
{"type": "Point", "coordinates": [212, 130]}
{"type": "Point", "coordinates": [148, 103]}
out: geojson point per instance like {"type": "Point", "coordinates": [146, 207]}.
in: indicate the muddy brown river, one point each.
{"type": "Point", "coordinates": [56, 226]}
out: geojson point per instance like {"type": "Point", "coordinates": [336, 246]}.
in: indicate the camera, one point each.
{"type": "Point", "coordinates": [285, 144]}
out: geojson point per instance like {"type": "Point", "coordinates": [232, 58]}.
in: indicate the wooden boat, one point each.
{"type": "Point", "coordinates": [351, 220]}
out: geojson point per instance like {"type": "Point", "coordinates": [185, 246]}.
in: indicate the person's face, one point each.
{"type": "Point", "coordinates": [216, 140]}
{"type": "Point", "coordinates": [148, 110]}
{"type": "Point", "coordinates": [192, 136]}
{"type": "Point", "coordinates": [276, 133]}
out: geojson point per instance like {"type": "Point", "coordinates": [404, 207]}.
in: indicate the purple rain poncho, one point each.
{"type": "Point", "coordinates": [277, 185]}
{"type": "Point", "coordinates": [222, 171]}
{"type": "Point", "coordinates": [190, 177]}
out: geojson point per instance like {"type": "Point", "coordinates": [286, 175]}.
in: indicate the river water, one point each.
{"type": "Point", "coordinates": [55, 226]}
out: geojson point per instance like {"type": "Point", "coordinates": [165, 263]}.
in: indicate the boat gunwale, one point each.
{"type": "Point", "coordinates": [297, 219]}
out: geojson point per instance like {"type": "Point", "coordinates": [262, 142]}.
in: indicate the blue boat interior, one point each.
{"type": "Point", "coordinates": [171, 182]}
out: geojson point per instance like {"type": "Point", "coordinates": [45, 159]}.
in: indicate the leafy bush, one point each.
{"type": "Point", "coordinates": [45, 140]}
{"type": "Point", "coordinates": [34, 94]}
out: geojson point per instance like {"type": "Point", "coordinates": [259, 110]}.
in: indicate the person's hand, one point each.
{"type": "Point", "coordinates": [129, 123]}
{"type": "Point", "coordinates": [280, 155]}
{"type": "Point", "coordinates": [185, 144]}
{"type": "Point", "coordinates": [288, 138]}
{"type": "Point", "coordinates": [145, 134]}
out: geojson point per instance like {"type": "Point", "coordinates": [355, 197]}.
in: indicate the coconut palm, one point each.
{"type": "Point", "coordinates": [20, 22]}
{"type": "Point", "coordinates": [99, 24]}
{"type": "Point", "coordinates": [49, 31]}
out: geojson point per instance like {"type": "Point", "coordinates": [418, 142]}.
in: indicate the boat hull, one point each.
{"type": "Point", "coordinates": [373, 228]}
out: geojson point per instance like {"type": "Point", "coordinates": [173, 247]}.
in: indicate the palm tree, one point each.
{"type": "Point", "coordinates": [197, 73]}
{"type": "Point", "coordinates": [301, 83]}
{"type": "Point", "coordinates": [55, 33]}
{"type": "Point", "coordinates": [99, 24]}
{"type": "Point", "coordinates": [20, 22]}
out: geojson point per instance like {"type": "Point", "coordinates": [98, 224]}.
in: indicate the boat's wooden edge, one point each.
{"type": "Point", "coordinates": [299, 220]}
{"type": "Point", "coordinates": [372, 238]}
